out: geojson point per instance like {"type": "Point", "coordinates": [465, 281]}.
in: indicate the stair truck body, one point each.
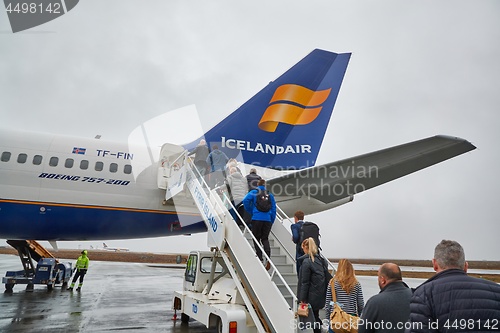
{"type": "Point", "coordinates": [210, 296]}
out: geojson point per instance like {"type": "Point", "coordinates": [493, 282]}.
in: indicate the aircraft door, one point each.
{"type": "Point", "coordinates": [171, 169]}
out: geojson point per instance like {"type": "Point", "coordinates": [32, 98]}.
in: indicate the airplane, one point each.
{"type": "Point", "coordinates": [116, 249]}
{"type": "Point", "coordinates": [60, 188]}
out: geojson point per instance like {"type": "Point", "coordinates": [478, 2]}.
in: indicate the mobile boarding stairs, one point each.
{"type": "Point", "coordinates": [48, 271]}
{"type": "Point", "coordinates": [268, 296]}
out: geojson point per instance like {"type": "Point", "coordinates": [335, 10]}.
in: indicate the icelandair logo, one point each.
{"type": "Point", "coordinates": [264, 148]}
{"type": "Point", "coordinates": [294, 105]}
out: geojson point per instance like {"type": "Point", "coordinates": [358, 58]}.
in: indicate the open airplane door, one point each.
{"type": "Point", "coordinates": [171, 169]}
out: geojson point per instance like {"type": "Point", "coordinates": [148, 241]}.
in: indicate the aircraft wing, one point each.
{"type": "Point", "coordinates": [342, 179]}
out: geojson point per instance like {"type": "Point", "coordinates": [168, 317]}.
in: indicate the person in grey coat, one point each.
{"type": "Point", "coordinates": [238, 188]}
{"type": "Point", "coordinates": [389, 310]}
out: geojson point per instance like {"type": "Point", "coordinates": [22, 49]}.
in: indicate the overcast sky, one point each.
{"type": "Point", "coordinates": [417, 69]}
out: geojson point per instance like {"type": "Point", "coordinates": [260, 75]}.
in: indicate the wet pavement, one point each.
{"type": "Point", "coordinates": [115, 297]}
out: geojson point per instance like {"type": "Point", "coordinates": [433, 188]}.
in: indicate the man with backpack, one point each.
{"type": "Point", "coordinates": [262, 206]}
{"type": "Point", "coordinates": [296, 228]}
{"type": "Point", "coordinates": [310, 229]}
{"type": "Point", "coordinates": [302, 230]}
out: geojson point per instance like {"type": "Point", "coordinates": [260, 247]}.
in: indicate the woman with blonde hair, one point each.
{"type": "Point", "coordinates": [347, 289]}
{"type": "Point", "coordinates": [311, 283]}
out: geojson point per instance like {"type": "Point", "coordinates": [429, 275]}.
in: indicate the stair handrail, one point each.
{"type": "Point", "coordinates": [212, 197]}
{"type": "Point", "coordinates": [214, 206]}
{"type": "Point", "coordinates": [182, 155]}
{"type": "Point", "coordinates": [281, 216]}
{"type": "Point", "coordinates": [216, 198]}
{"type": "Point", "coordinates": [273, 268]}
{"type": "Point", "coordinates": [274, 271]}
{"type": "Point", "coordinates": [220, 204]}
{"type": "Point", "coordinates": [204, 184]}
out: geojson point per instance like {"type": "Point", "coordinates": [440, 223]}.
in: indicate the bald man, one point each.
{"type": "Point", "coordinates": [200, 156]}
{"type": "Point", "coordinates": [389, 310]}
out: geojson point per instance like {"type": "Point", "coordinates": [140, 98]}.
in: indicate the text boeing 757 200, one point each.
{"type": "Point", "coordinates": [65, 188]}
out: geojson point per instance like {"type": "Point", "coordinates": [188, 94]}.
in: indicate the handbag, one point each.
{"type": "Point", "coordinates": [306, 318]}
{"type": "Point", "coordinates": [341, 321]}
{"type": "Point", "coordinates": [303, 310]}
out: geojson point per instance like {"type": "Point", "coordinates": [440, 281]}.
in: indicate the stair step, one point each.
{"type": "Point", "coordinates": [289, 300]}
{"type": "Point", "coordinates": [279, 259]}
{"type": "Point", "coordinates": [284, 268]}
{"type": "Point", "coordinates": [290, 278]}
{"type": "Point", "coordinates": [284, 291]}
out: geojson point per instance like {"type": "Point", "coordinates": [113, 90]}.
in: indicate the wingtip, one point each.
{"type": "Point", "coordinates": [459, 140]}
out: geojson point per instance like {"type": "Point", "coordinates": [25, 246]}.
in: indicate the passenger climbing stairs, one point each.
{"type": "Point", "coordinates": [269, 295]}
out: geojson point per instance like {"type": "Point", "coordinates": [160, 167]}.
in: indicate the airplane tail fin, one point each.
{"type": "Point", "coordinates": [283, 125]}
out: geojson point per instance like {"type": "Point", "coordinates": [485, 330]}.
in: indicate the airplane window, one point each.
{"type": "Point", "coordinates": [5, 156]}
{"type": "Point", "coordinates": [113, 167]}
{"type": "Point", "coordinates": [54, 161]}
{"type": "Point", "coordinates": [127, 169]}
{"type": "Point", "coordinates": [84, 164]}
{"type": "Point", "coordinates": [37, 159]}
{"type": "Point", "coordinates": [21, 158]}
{"type": "Point", "coordinates": [69, 163]}
{"type": "Point", "coordinates": [99, 166]}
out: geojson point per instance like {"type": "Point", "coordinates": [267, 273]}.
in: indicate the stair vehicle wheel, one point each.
{"type": "Point", "coordinates": [51, 285]}
{"type": "Point", "coordinates": [184, 318]}
{"type": "Point", "coordinates": [9, 286]}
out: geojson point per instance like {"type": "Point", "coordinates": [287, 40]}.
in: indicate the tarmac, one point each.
{"type": "Point", "coordinates": [130, 297]}
{"type": "Point", "coordinates": [116, 296]}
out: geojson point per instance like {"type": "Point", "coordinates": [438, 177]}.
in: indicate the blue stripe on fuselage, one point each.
{"type": "Point", "coordinates": [41, 221]}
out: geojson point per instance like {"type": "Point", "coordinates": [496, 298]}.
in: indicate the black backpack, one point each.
{"type": "Point", "coordinates": [310, 229]}
{"type": "Point", "coordinates": [263, 201]}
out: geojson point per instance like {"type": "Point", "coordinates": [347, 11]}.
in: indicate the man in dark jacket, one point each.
{"type": "Point", "coordinates": [452, 301]}
{"type": "Point", "coordinates": [262, 222]}
{"type": "Point", "coordinates": [217, 160]}
{"type": "Point", "coordinates": [200, 157]}
{"type": "Point", "coordinates": [389, 310]}
{"type": "Point", "coordinates": [252, 179]}
{"type": "Point", "coordinates": [295, 228]}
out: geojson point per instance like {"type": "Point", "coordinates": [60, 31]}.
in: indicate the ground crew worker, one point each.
{"type": "Point", "coordinates": [82, 264]}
